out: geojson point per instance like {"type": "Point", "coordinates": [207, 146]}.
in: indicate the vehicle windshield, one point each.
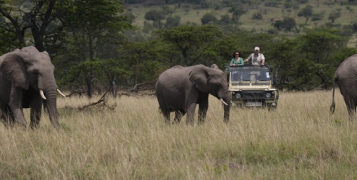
{"type": "Point", "coordinates": [250, 75]}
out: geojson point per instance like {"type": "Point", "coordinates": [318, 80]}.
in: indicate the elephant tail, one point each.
{"type": "Point", "coordinates": [332, 107]}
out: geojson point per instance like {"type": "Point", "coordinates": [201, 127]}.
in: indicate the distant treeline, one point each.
{"type": "Point", "coordinates": [93, 43]}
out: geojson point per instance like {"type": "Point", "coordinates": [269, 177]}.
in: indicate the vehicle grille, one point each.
{"type": "Point", "coordinates": [253, 94]}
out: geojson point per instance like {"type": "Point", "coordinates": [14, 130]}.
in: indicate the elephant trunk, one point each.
{"type": "Point", "coordinates": [51, 105]}
{"type": "Point", "coordinates": [227, 98]}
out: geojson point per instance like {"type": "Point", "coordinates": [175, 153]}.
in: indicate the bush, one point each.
{"type": "Point", "coordinates": [271, 4]}
{"type": "Point", "coordinates": [172, 21]}
{"type": "Point", "coordinates": [273, 31]}
{"type": "Point", "coordinates": [317, 16]}
{"type": "Point", "coordinates": [207, 18]}
{"type": "Point", "coordinates": [225, 19]}
{"type": "Point", "coordinates": [288, 23]}
{"type": "Point", "coordinates": [257, 16]}
{"type": "Point", "coordinates": [288, 5]}
{"type": "Point", "coordinates": [354, 27]}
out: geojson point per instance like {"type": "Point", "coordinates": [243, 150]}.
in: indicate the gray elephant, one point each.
{"type": "Point", "coordinates": [179, 89]}
{"type": "Point", "coordinates": [26, 80]}
{"type": "Point", "coordinates": [345, 78]}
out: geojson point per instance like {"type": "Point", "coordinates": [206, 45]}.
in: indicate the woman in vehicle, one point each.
{"type": "Point", "coordinates": [236, 59]}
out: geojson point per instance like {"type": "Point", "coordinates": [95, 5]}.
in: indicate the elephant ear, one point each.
{"type": "Point", "coordinates": [45, 52]}
{"type": "Point", "coordinates": [199, 77]}
{"type": "Point", "coordinates": [14, 69]}
{"type": "Point", "coordinates": [214, 66]}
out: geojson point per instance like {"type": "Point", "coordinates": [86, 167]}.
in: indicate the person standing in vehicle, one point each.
{"type": "Point", "coordinates": [256, 58]}
{"type": "Point", "coordinates": [236, 60]}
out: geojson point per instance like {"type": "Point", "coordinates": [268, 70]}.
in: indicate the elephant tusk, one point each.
{"type": "Point", "coordinates": [61, 93]}
{"type": "Point", "coordinates": [42, 95]}
{"type": "Point", "coordinates": [223, 102]}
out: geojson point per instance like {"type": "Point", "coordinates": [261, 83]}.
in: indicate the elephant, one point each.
{"type": "Point", "coordinates": [345, 78]}
{"type": "Point", "coordinates": [179, 89]}
{"type": "Point", "coordinates": [27, 81]}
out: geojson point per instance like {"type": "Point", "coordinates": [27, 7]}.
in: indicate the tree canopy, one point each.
{"type": "Point", "coordinates": [94, 41]}
{"type": "Point", "coordinates": [192, 41]}
{"type": "Point", "coordinates": [306, 12]}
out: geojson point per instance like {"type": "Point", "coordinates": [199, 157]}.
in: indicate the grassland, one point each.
{"type": "Point", "coordinates": [189, 13]}
{"type": "Point", "coordinates": [300, 140]}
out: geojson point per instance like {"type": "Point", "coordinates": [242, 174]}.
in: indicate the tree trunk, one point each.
{"type": "Point", "coordinates": [113, 89]}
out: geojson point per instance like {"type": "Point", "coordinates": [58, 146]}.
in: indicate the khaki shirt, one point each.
{"type": "Point", "coordinates": [256, 59]}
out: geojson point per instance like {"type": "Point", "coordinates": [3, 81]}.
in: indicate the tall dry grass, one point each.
{"type": "Point", "coordinates": [300, 140]}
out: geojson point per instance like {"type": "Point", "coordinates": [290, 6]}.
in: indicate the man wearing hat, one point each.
{"type": "Point", "coordinates": [256, 58]}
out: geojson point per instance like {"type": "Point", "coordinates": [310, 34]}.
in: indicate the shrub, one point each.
{"type": "Point", "coordinates": [207, 18]}
{"type": "Point", "coordinates": [257, 16]}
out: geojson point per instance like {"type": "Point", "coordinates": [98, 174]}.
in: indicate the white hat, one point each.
{"type": "Point", "coordinates": [256, 48]}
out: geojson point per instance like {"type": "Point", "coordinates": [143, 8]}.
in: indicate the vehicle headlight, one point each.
{"type": "Point", "coordinates": [268, 95]}
{"type": "Point", "coordinates": [238, 96]}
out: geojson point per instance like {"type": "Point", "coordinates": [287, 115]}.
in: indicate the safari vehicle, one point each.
{"type": "Point", "coordinates": [252, 86]}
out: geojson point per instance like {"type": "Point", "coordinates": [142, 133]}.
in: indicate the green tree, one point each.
{"type": "Point", "coordinates": [317, 16]}
{"type": "Point", "coordinates": [172, 21]}
{"type": "Point", "coordinates": [236, 13]}
{"type": "Point", "coordinates": [191, 41]}
{"type": "Point", "coordinates": [301, 76]}
{"type": "Point", "coordinates": [208, 18]}
{"type": "Point", "coordinates": [156, 17]}
{"type": "Point", "coordinates": [91, 23]}
{"type": "Point", "coordinates": [334, 15]}
{"type": "Point", "coordinates": [36, 22]}
{"type": "Point", "coordinates": [142, 60]}
{"type": "Point", "coordinates": [113, 70]}
{"type": "Point", "coordinates": [306, 12]}
{"type": "Point", "coordinates": [282, 55]}
{"type": "Point", "coordinates": [225, 19]}
{"type": "Point", "coordinates": [278, 24]}
{"type": "Point", "coordinates": [318, 46]}
{"type": "Point", "coordinates": [6, 39]}
{"type": "Point", "coordinates": [289, 23]}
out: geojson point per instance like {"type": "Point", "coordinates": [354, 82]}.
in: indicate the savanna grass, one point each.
{"type": "Point", "coordinates": [298, 140]}
{"type": "Point", "coordinates": [191, 13]}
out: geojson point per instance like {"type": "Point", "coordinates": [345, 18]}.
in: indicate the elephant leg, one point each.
{"type": "Point", "coordinates": [178, 116]}
{"type": "Point", "coordinates": [166, 116]}
{"type": "Point", "coordinates": [9, 119]}
{"type": "Point", "coordinates": [190, 113]}
{"type": "Point", "coordinates": [4, 118]}
{"type": "Point", "coordinates": [351, 108]}
{"type": "Point", "coordinates": [35, 113]}
{"type": "Point", "coordinates": [202, 111]}
{"type": "Point", "coordinates": [16, 106]}
{"type": "Point", "coordinates": [352, 112]}
{"type": "Point", "coordinates": [18, 115]}
{"type": "Point", "coordinates": [3, 115]}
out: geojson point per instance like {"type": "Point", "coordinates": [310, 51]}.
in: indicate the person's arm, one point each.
{"type": "Point", "coordinates": [246, 60]}
{"type": "Point", "coordinates": [263, 59]}
{"type": "Point", "coordinates": [232, 61]}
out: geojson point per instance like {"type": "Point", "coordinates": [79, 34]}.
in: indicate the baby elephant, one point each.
{"type": "Point", "coordinates": [179, 89]}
